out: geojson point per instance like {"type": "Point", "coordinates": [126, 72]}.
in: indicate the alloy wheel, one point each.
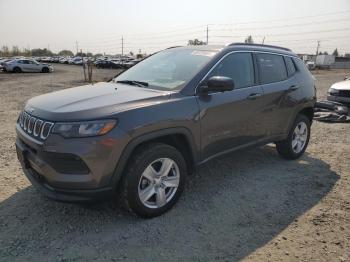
{"type": "Point", "coordinates": [158, 183]}
{"type": "Point", "coordinates": [299, 138]}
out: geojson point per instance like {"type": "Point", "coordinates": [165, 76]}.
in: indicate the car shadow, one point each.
{"type": "Point", "coordinates": [231, 206]}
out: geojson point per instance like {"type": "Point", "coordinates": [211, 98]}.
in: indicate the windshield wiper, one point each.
{"type": "Point", "coordinates": [133, 82]}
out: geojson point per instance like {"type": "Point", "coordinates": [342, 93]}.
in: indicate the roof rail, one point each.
{"type": "Point", "coordinates": [173, 47]}
{"type": "Point", "coordinates": [261, 45]}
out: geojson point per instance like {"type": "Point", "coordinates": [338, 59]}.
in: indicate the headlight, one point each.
{"type": "Point", "coordinates": [333, 91]}
{"type": "Point", "coordinates": [84, 129]}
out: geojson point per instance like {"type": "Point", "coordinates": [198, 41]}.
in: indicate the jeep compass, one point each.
{"type": "Point", "coordinates": [138, 136]}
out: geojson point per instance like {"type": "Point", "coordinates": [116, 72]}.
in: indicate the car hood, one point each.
{"type": "Point", "coordinates": [343, 85]}
{"type": "Point", "coordinates": [96, 101]}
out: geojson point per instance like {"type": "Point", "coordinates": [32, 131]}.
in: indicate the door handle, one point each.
{"type": "Point", "coordinates": [254, 96]}
{"type": "Point", "coordinates": [293, 87]}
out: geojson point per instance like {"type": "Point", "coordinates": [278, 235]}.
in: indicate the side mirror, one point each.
{"type": "Point", "coordinates": [218, 84]}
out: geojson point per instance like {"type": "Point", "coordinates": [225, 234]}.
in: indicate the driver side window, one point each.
{"type": "Point", "coordinates": [239, 67]}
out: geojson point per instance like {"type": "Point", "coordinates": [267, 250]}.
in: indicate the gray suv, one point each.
{"type": "Point", "coordinates": [138, 136]}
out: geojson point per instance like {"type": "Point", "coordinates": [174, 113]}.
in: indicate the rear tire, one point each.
{"type": "Point", "coordinates": [17, 70]}
{"type": "Point", "coordinates": [45, 70]}
{"type": "Point", "coordinates": [298, 138]}
{"type": "Point", "coordinates": [154, 180]}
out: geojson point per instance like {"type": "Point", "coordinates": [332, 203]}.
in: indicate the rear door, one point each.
{"type": "Point", "coordinates": [233, 118]}
{"type": "Point", "coordinates": [34, 67]}
{"type": "Point", "coordinates": [278, 85]}
{"type": "Point", "coordinates": [24, 65]}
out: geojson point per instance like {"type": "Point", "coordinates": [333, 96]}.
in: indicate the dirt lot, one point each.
{"type": "Point", "coordinates": [250, 205]}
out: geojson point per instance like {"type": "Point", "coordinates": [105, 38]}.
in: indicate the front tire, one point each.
{"type": "Point", "coordinates": [45, 70]}
{"type": "Point", "coordinates": [154, 180]}
{"type": "Point", "coordinates": [17, 70]}
{"type": "Point", "coordinates": [298, 138]}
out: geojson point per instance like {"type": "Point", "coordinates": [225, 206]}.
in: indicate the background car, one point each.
{"type": "Point", "coordinates": [27, 65]}
{"type": "Point", "coordinates": [340, 92]}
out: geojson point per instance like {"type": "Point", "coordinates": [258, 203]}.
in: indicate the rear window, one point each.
{"type": "Point", "coordinates": [301, 66]}
{"type": "Point", "coordinates": [272, 68]}
{"type": "Point", "coordinates": [290, 66]}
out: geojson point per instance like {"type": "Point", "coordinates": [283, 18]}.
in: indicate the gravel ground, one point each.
{"type": "Point", "coordinates": [250, 205]}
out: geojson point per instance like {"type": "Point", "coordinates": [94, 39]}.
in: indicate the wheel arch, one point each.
{"type": "Point", "coordinates": [178, 137]}
{"type": "Point", "coordinates": [307, 111]}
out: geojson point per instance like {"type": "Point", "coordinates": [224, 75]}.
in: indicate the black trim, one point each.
{"type": "Point", "coordinates": [67, 195]}
{"type": "Point", "coordinates": [123, 160]}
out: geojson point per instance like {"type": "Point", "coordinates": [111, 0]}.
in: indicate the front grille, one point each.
{"type": "Point", "coordinates": [345, 93]}
{"type": "Point", "coordinates": [33, 126]}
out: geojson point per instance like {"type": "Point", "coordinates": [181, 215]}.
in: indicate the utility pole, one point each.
{"type": "Point", "coordinates": [318, 46]}
{"type": "Point", "coordinates": [77, 47]}
{"type": "Point", "coordinates": [263, 41]}
{"type": "Point", "coordinates": [122, 45]}
{"type": "Point", "coordinates": [207, 34]}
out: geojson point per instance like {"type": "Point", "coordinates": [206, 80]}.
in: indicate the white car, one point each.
{"type": "Point", "coordinates": [27, 65]}
{"type": "Point", "coordinates": [340, 92]}
{"type": "Point", "coordinates": [310, 65]}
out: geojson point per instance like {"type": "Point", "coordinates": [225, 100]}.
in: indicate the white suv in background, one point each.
{"type": "Point", "coordinates": [27, 65]}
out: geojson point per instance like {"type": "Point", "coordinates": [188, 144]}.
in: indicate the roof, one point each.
{"type": "Point", "coordinates": [241, 46]}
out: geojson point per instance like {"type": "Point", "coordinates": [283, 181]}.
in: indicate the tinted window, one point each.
{"type": "Point", "coordinates": [272, 68]}
{"type": "Point", "coordinates": [301, 66]}
{"type": "Point", "coordinates": [290, 66]}
{"type": "Point", "coordinates": [239, 67]}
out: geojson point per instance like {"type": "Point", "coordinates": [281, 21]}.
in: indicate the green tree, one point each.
{"type": "Point", "coordinates": [5, 51]}
{"type": "Point", "coordinates": [65, 53]}
{"type": "Point", "coordinates": [41, 52]}
{"type": "Point", "coordinates": [249, 40]}
{"type": "Point", "coordinates": [347, 55]}
{"type": "Point", "coordinates": [335, 52]}
{"type": "Point", "coordinates": [15, 51]}
{"type": "Point", "coordinates": [196, 42]}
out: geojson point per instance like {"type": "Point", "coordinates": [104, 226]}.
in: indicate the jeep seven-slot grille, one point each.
{"type": "Point", "coordinates": [34, 126]}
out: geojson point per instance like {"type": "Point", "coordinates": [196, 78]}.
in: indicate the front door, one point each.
{"type": "Point", "coordinates": [231, 119]}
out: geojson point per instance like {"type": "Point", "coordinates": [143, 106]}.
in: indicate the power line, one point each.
{"type": "Point", "coordinates": [287, 25]}
{"type": "Point", "coordinates": [288, 19]}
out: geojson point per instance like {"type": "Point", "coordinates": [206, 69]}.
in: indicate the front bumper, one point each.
{"type": "Point", "coordinates": [39, 181]}
{"type": "Point", "coordinates": [76, 169]}
{"type": "Point", "coordinates": [340, 99]}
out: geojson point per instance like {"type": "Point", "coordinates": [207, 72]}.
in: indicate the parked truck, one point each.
{"type": "Point", "coordinates": [324, 61]}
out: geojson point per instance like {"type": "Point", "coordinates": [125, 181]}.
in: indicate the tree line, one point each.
{"type": "Point", "coordinates": [5, 51]}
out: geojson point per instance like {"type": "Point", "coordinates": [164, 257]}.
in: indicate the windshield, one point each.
{"type": "Point", "coordinates": [170, 69]}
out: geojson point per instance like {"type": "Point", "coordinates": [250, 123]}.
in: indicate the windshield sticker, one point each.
{"type": "Point", "coordinates": [203, 53]}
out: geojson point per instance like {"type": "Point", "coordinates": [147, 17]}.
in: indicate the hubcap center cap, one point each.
{"type": "Point", "coordinates": [158, 182]}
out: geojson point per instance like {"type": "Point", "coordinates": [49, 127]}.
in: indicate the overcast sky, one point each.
{"type": "Point", "coordinates": [99, 25]}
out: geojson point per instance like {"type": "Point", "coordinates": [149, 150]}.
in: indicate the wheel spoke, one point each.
{"type": "Point", "coordinates": [302, 129]}
{"type": "Point", "coordinates": [299, 146]}
{"type": "Point", "coordinates": [160, 197]}
{"type": "Point", "coordinates": [294, 143]}
{"type": "Point", "coordinates": [167, 164]}
{"type": "Point", "coordinates": [149, 173]}
{"type": "Point", "coordinates": [171, 181]}
{"type": "Point", "coordinates": [146, 193]}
